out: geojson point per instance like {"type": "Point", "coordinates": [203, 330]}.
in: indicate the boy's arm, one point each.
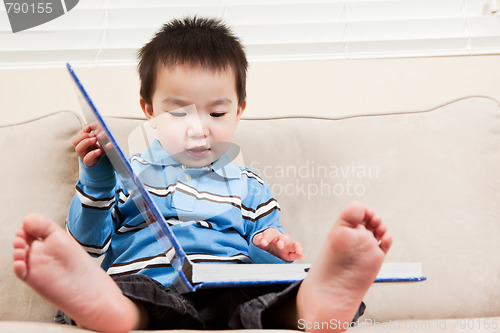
{"type": "Point", "coordinates": [90, 219]}
{"type": "Point", "coordinates": [267, 242]}
{"type": "Point", "coordinates": [90, 216]}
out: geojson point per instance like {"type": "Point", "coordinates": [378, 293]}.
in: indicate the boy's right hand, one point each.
{"type": "Point", "coordinates": [86, 147]}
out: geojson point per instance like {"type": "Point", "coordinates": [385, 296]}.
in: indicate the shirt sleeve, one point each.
{"type": "Point", "coordinates": [261, 211]}
{"type": "Point", "coordinates": [90, 218]}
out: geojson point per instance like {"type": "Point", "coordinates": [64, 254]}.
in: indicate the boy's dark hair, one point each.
{"type": "Point", "coordinates": [197, 41]}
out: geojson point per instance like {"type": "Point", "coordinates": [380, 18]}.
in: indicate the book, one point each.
{"type": "Point", "coordinates": [213, 274]}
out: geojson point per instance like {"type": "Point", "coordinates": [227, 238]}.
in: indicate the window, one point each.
{"type": "Point", "coordinates": [106, 32]}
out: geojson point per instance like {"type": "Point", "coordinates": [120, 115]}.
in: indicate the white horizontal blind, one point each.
{"type": "Point", "coordinates": [98, 32]}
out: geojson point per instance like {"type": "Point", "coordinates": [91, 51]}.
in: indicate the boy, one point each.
{"type": "Point", "coordinates": [193, 76]}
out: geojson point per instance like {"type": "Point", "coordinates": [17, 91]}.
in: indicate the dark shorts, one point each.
{"type": "Point", "coordinates": [214, 309]}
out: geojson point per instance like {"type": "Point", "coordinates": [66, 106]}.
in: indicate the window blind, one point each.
{"type": "Point", "coordinates": [108, 32]}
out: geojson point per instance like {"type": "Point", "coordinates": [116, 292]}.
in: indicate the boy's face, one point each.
{"type": "Point", "coordinates": [195, 111]}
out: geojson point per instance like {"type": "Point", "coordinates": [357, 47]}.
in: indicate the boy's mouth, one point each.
{"type": "Point", "coordinates": [198, 151]}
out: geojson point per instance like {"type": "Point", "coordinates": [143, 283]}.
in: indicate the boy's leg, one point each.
{"type": "Point", "coordinates": [57, 268]}
{"type": "Point", "coordinates": [344, 270]}
{"type": "Point", "coordinates": [49, 260]}
{"type": "Point", "coordinates": [330, 296]}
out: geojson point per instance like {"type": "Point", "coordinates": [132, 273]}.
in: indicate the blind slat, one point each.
{"type": "Point", "coordinates": [97, 32]}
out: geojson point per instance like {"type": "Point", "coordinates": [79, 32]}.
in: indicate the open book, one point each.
{"type": "Point", "coordinates": [192, 276]}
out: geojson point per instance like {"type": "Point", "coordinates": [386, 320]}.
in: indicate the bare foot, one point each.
{"type": "Point", "coordinates": [346, 267]}
{"type": "Point", "coordinates": [57, 268]}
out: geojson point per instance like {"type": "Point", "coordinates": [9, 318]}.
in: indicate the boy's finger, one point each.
{"type": "Point", "coordinates": [79, 137]}
{"type": "Point", "coordinates": [92, 157]}
{"type": "Point", "coordinates": [264, 241]}
{"type": "Point", "coordinates": [82, 134]}
{"type": "Point", "coordinates": [85, 145]}
{"type": "Point", "coordinates": [284, 241]}
{"type": "Point", "coordinates": [269, 235]}
{"type": "Point", "coordinates": [257, 239]}
{"type": "Point", "coordinates": [295, 247]}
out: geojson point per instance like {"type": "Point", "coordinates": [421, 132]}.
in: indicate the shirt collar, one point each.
{"type": "Point", "coordinates": [224, 168]}
{"type": "Point", "coordinates": [155, 154]}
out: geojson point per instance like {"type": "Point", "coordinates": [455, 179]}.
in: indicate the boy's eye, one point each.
{"type": "Point", "coordinates": [178, 114]}
{"type": "Point", "coordinates": [217, 114]}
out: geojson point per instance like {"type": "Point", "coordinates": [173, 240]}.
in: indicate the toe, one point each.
{"type": "Point", "coordinates": [353, 214]}
{"type": "Point", "coordinates": [20, 270]}
{"type": "Point", "coordinates": [374, 222]}
{"type": "Point", "coordinates": [38, 226]}
{"type": "Point", "coordinates": [386, 242]}
{"type": "Point", "coordinates": [19, 255]}
{"type": "Point", "coordinates": [20, 233]}
{"type": "Point", "coordinates": [19, 243]}
{"type": "Point", "coordinates": [380, 231]}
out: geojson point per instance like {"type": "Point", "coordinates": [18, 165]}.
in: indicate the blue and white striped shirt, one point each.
{"type": "Point", "coordinates": [214, 212]}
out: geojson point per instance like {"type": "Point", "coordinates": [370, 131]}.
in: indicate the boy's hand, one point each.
{"type": "Point", "coordinates": [86, 147]}
{"type": "Point", "coordinates": [278, 244]}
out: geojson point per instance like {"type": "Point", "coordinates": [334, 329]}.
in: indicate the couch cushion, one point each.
{"type": "Point", "coordinates": [10, 327]}
{"type": "Point", "coordinates": [38, 175]}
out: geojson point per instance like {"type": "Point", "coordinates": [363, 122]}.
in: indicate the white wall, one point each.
{"type": "Point", "coordinates": [314, 88]}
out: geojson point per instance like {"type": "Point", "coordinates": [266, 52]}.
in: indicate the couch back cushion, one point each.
{"type": "Point", "coordinates": [433, 176]}
{"type": "Point", "coordinates": [39, 173]}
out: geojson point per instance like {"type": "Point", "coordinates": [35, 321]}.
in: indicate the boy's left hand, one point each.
{"type": "Point", "coordinates": [278, 244]}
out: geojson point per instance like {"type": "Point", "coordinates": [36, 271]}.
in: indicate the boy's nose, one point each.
{"type": "Point", "coordinates": [196, 130]}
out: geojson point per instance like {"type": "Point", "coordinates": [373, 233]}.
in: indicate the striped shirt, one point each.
{"type": "Point", "coordinates": [214, 212]}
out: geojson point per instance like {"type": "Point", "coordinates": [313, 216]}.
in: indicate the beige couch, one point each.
{"type": "Point", "coordinates": [434, 176]}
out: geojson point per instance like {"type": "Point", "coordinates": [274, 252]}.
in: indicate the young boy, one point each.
{"type": "Point", "coordinates": [193, 75]}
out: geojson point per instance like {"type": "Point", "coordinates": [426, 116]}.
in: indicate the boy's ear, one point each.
{"type": "Point", "coordinates": [148, 112]}
{"type": "Point", "coordinates": [240, 111]}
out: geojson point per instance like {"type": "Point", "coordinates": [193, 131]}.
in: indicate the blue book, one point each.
{"type": "Point", "coordinates": [192, 276]}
